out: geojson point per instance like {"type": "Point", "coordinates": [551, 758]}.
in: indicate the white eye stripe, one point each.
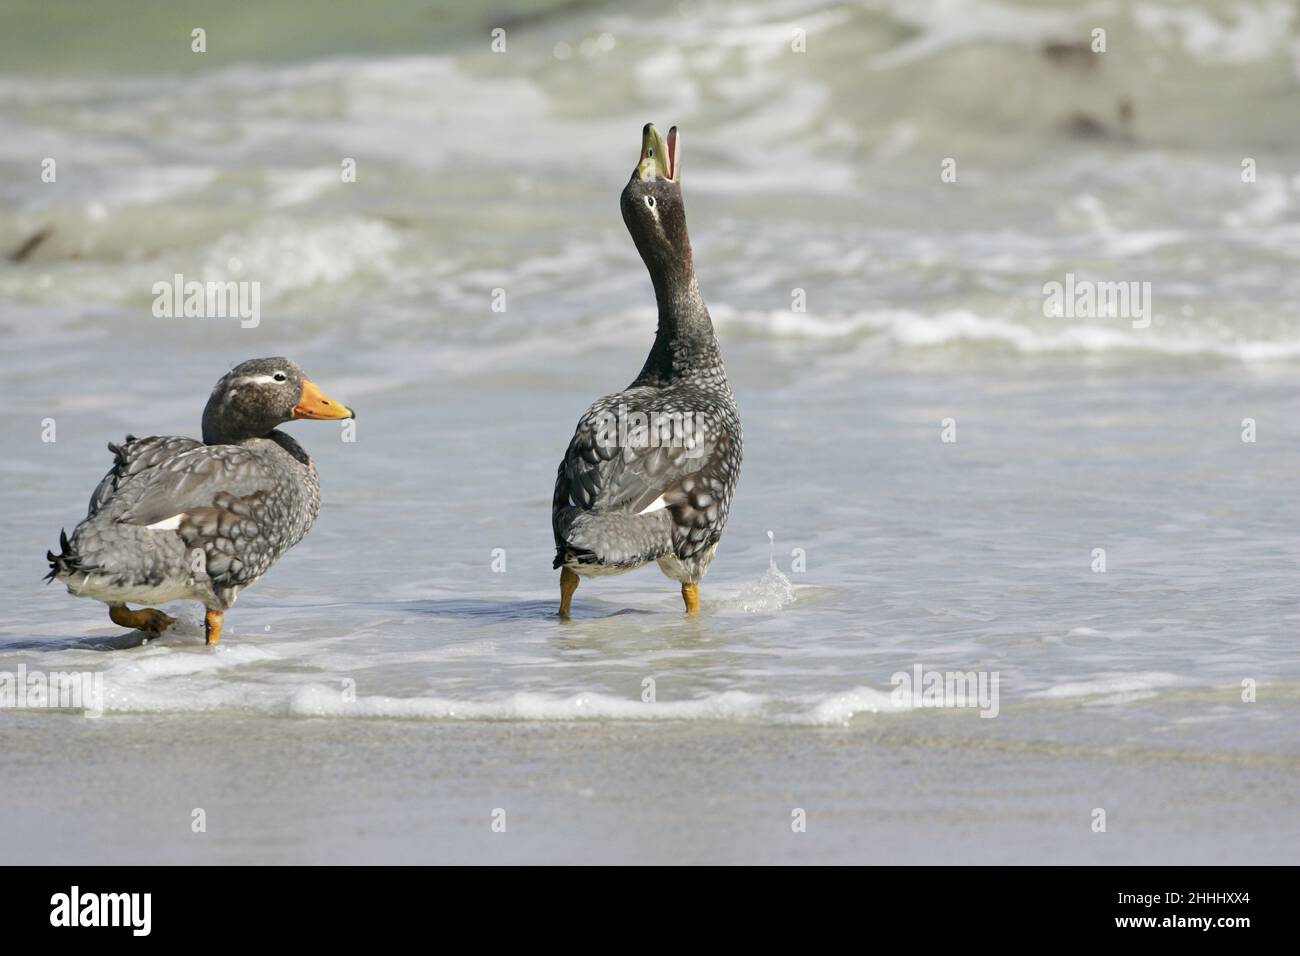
{"type": "Point", "coordinates": [257, 380]}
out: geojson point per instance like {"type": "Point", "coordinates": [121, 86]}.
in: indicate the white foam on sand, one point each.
{"type": "Point", "coordinates": [172, 681]}
{"type": "Point", "coordinates": [245, 679]}
{"type": "Point", "coordinates": [248, 679]}
{"type": "Point", "coordinates": [1110, 684]}
{"type": "Point", "coordinates": [318, 700]}
{"type": "Point", "coordinates": [190, 680]}
{"type": "Point", "coordinates": [840, 709]}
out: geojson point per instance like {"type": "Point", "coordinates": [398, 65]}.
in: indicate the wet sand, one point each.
{"type": "Point", "coordinates": [942, 789]}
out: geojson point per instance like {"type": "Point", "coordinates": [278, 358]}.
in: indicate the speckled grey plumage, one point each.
{"type": "Point", "coordinates": [602, 487]}
{"type": "Point", "coordinates": [243, 498]}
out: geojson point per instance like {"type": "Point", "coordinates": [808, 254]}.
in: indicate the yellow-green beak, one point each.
{"type": "Point", "coordinates": [658, 157]}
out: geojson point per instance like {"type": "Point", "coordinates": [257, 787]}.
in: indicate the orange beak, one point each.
{"type": "Point", "coordinates": [315, 404]}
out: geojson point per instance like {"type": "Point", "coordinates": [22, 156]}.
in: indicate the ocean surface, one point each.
{"type": "Point", "coordinates": [941, 466]}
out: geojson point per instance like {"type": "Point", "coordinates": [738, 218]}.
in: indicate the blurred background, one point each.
{"type": "Point", "coordinates": [817, 170]}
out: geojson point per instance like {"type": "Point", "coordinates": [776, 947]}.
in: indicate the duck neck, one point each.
{"type": "Point", "coordinates": [295, 450]}
{"type": "Point", "coordinates": [216, 433]}
{"type": "Point", "coordinates": [684, 338]}
{"type": "Point", "coordinates": [217, 430]}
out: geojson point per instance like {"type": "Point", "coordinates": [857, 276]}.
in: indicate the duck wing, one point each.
{"type": "Point", "coordinates": [156, 478]}
{"type": "Point", "coordinates": [682, 463]}
{"type": "Point", "coordinates": [239, 507]}
{"type": "Point", "coordinates": [130, 459]}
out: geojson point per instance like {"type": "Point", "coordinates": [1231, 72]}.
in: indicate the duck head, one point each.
{"type": "Point", "coordinates": [256, 396]}
{"type": "Point", "coordinates": [653, 209]}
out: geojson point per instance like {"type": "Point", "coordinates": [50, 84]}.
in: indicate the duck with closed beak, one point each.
{"type": "Point", "coordinates": [177, 519]}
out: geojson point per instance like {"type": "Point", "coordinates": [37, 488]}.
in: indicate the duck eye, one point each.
{"type": "Point", "coordinates": [650, 201]}
{"type": "Point", "coordinates": [280, 377]}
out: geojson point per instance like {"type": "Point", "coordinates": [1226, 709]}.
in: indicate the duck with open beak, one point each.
{"type": "Point", "coordinates": [626, 496]}
{"type": "Point", "coordinates": [658, 156]}
{"type": "Point", "coordinates": [179, 519]}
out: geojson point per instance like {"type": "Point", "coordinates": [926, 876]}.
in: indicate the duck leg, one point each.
{"type": "Point", "coordinates": [212, 625]}
{"type": "Point", "coordinates": [691, 598]}
{"type": "Point", "coordinates": [148, 619]}
{"type": "Point", "coordinates": [568, 584]}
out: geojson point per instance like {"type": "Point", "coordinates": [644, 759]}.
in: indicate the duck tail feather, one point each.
{"type": "Point", "coordinates": [65, 561]}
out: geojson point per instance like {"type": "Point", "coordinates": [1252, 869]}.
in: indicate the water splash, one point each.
{"type": "Point", "coordinates": [772, 591]}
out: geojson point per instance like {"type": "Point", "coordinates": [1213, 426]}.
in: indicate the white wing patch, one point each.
{"type": "Point", "coordinates": [167, 524]}
{"type": "Point", "coordinates": [657, 505]}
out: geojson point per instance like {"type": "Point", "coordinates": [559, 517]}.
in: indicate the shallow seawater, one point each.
{"type": "Point", "coordinates": [425, 596]}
